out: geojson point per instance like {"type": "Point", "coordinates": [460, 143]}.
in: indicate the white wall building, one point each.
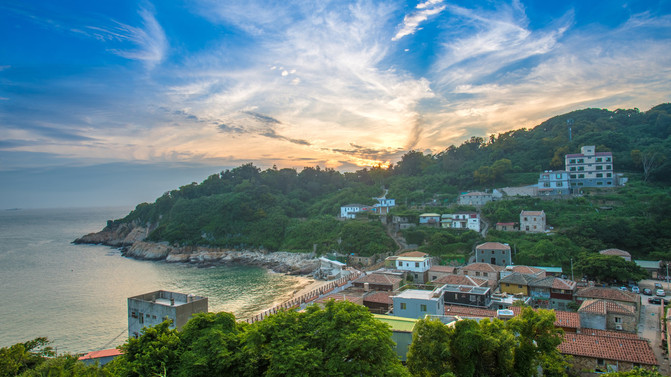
{"type": "Point", "coordinates": [590, 168]}
{"type": "Point", "coordinates": [152, 308]}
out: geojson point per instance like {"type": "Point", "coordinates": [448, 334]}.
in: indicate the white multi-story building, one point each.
{"type": "Point", "coordinates": [467, 220]}
{"type": "Point", "coordinates": [349, 211]}
{"type": "Point", "coordinates": [554, 183]}
{"type": "Point", "coordinates": [416, 265]}
{"type": "Point", "coordinates": [590, 168]}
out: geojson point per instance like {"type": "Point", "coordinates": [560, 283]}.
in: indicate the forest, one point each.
{"type": "Point", "coordinates": [284, 209]}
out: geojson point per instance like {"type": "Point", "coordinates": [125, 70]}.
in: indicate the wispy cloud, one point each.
{"type": "Point", "coordinates": [412, 21]}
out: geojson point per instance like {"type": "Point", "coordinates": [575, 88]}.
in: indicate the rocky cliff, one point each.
{"type": "Point", "coordinates": [132, 241]}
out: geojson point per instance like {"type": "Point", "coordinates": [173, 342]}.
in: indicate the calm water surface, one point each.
{"type": "Point", "coordinates": [76, 294]}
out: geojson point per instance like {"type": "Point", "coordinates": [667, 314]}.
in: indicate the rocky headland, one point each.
{"type": "Point", "coordinates": [131, 239]}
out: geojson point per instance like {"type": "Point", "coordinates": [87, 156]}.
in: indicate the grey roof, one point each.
{"type": "Point", "coordinates": [517, 278]}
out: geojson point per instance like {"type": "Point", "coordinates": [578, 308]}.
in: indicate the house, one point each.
{"type": "Point", "coordinates": [609, 294]}
{"type": "Point", "coordinates": [461, 280]}
{"type": "Point", "coordinates": [358, 260]}
{"type": "Point", "coordinates": [401, 223]}
{"type": "Point", "coordinates": [349, 211]}
{"type": "Point", "coordinates": [618, 253]}
{"type": "Point", "coordinates": [436, 272]}
{"type": "Point", "coordinates": [601, 354]}
{"type": "Point", "coordinates": [415, 303]}
{"type": "Point", "coordinates": [378, 282]}
{"type": "Point", "coordinates": [101, 357]}
{"type": "Point", "coordinates": [551, 183]}
{"type": "Point", "coordinates": [608, 315]}
{"type": "Point", "coordinates": [552, 292]}
{"type": "Point", "coordinates": [429, 219]}
{"type": "Point", "coordinates": [524, 270]}
{"type": "Point", "coordinates": [532, 221]}
{"type": "Point", "coordinates": [493, 253]}
{"type": "Point", "coordinates": [652, 267]}
{"type": "Point", "coordinates": [330, 269]}
{"type": "Point", "coordinates": [339, 297]}
{"type": "Point", "coordinates": [383, 205]}
{"type": "Point", "coordinates": [152, 308]}
{"type": "Point", "coordinates": [485, 271]}
{"type": "Point", "coordinates": [417, 266]}
{"type": "Point", "coordinates": [378, 302]}
{"type": "Point", "coordinates": [508, 227]}
{"type": "Point", "coordinates": [475, 198]}
{"type": "Point", "coordinates": [462, 220]}
{"type": "Point", "coordinates": [467, 295]}
{"type": "Point", "coordinates": [590, 168]}
{"type": "Point", "coordinates": [401, 332]}
{"type": "Point", "coordinates": [516, 284]}
{"type": "Point", "coordinates": [567, 321]}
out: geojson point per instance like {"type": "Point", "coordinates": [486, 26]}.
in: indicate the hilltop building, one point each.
{"type": "Point", "coordinates": [493, 253]}
{"type": "Point", "coordinates": [552, 183]}
{"type": "Point", "coordinates": [590, 168]}
{"type": "Point", "coordinates": [532, 221]}
{"type": "Point", "coordinates": [152, 308]}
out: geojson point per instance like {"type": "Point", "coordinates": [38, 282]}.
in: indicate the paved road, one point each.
{"type": "Point", "coordinates": [649, 327]}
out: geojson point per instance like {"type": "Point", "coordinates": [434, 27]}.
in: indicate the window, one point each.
{"type": "Point", "coordinates": [141, 318]}
{"type": "Point", "coordinates": [492, 251]}
{"type": "Point", "coordinates": [600, 362]}
{"type": "Point", "coordinates": [608, 175]}
{"type": "Point", "coordinates": [403, 306]}
{"type": "Point", "coordinates": [526, 219]}
{"type": "Point", "coordinates": [599, 175]}
{"type": "Point", "coordinates": [558, 176]}
{"type": "Point", "coordinates": [581, 175]}
{"type": "Point", "coordinates": [607, 159]}
{"type": "Point", "coordinates": [434, 277]}
{"type": "Point", "coordinates": [572, 161]}
{"type": "Point", "coordinates": [618, 320]}
{"type": "Point", "coordinates": [608, 167]}
{"type": "Point", "coordinates": [572, 176]}
{"type": "Point", "coordinates": [519, 286]}
{"type": "Point", "coordinates": [546, 184]}
{"type": "Point", "coordinates": [581, 160]}
{"type": "Point", "coordinates": [560, 184]}
{"type": "Point", "coordinates": [416, 264]}
{"type": "Point", "coordinates": [477, 273]}
{"type": "Point", "coordinates": [599, 167]}
{"type": "Point", "coordinates": [422, 307]}
{"type": "Point", "coordinates": [484, 274]}
{"type": "Point", "coordinates": [599, 159]}
{"type": "Point", "coordinates": [572, 168]}
{"type": "Point", "coordinates": [581, 168]}
{"type": "Point", "coordinates": [599, 183]}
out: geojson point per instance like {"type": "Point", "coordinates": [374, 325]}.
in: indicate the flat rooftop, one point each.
{"type": "Point", "coordinates": [168, 298]}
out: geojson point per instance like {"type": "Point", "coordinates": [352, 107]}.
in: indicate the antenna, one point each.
{"type": "Point", "coordinates": [569, 124]}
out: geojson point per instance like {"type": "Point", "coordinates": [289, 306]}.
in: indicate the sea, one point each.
{"type": "Point", "coordinates": [76, 295]}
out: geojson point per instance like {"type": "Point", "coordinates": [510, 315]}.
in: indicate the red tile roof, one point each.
{"type": "Point", "coordinates": [606, 294]}
{"type": "Point", "coordinates": [562, 318]}
{"type": "Point", "coordinates": [468, 311]}
{"type": "Point", "coordinates": [604, 307]}
{"type": "Point", "coordinates": [531, 213]}
{"type": "Point", "coordinates": [526, 270]}
{"type": "Point", "coordinates": [382, 279]}
{"type": "Point", "coordinates": [413, 254]}
{"type": "Point", "coordinates": [604, 347]}
{"type": "Point", "coordinates": [101, 353]}
{"type": "Point", "coordinates": [379, 297]}
{"type": "Point", "coordinates": [448, 269]}
{"type": "Point", "coordinates": [610, 333]}
{"type": "Point", "coordinates": [341, 297]}
{"type": "Point", "coordinates": [492, 246]}
{"type": "Point", "coordinates": [482, 267]}
{"type": "Point", "coordinates": [461, 280]}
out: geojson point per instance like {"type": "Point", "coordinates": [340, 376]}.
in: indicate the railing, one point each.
{"type": "Point", "coordinates": [297, 302]}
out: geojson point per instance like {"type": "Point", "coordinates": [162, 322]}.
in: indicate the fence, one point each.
{"type": "Point", "coordinates": [307, 298]}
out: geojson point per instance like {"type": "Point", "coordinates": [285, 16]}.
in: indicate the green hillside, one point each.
{"type": "Point", "coordinates": [283, 209]}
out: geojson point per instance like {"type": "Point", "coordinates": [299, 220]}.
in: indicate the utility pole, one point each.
{"type": "Point", "coordinates": [572, 270]}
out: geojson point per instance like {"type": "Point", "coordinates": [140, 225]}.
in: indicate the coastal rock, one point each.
{"type": "Point", "coordinates": [148, 250]}
{"type": "Point", "coordinates": [115, 235]}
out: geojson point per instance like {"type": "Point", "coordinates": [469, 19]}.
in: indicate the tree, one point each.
{"type": "Point", "coordinates": [25, 356]}
{"type": "Point", "coordinates": [156, 352]}
{"type": "Point", "coordinates": [429, 352]}
{"type": "Point", "coordinates": [636, 372]}
{"type": "Point", "coordinates": [609, 268]}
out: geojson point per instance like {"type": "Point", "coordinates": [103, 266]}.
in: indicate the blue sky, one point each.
{"type": "Point", "coordinates": [168, 92]}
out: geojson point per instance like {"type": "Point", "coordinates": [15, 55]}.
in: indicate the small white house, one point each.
{"type": "Point", "coordinates": [417, 267]}
{"type": "Point", "coordinates": [349, 211]}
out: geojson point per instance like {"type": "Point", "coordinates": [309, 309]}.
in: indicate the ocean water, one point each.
{"type": "Point", "coordinates": [76, 294]}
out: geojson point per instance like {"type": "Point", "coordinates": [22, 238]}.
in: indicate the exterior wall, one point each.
{"type": "Point", "coordinates": [497, 257]}
{"type": "Point", "coordinates": [533, 224]}
{"type": "Point", "coordinates": [590, 168]}
{"type": "Point", "coordinates": [514, 289]}
{"type": "Point", "coordinates": [586, 366]}
{"type": "Point", "coordinates": [429, 219]}
{"type": "Point", "coordinates": [507, 227]}
{"type": "Point", "coordinates": [467, 299]}
{"type": "Point", "coordinates": [626, 322]}
{"type": "Point", "coordinates": [143, 312]}
{"type": "Point", "coordinates": [349, 212]}
{"type": "Point", "coordinates": [475, 199]}
{"type": "Point", "coordinates": [413, 264]}
{"type": "Point", "coordinates": [376, 307]}
{"type": "Point", "coordinates": [592, 321]}
{"type": "Point", "coordinates": [491, 276]}
{"type": "Point", "coordinates": [417, 308]}
{"type": "Point", "coordinates": [554, 183]}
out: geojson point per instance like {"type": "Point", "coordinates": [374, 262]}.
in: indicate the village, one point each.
{"type": "Point", "coordinates": [606, 328]}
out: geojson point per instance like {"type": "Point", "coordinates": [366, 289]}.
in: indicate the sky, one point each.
{"type": "Point", "coordinates": [116, 102]}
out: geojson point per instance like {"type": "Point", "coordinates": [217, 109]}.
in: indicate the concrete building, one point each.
{"type": "Point", "coordinates": [532, 221]}
{"type": "Point", "coordinates": [608, 315]}
{"type": "Point", "coordinates": [552, 292]}
{"type": "Point", "coordinates": [551, 183]}
{"type": "Point", "coordinates": [152, 308]}
{"type": "Point", "coordinates": [436, 272]}
{"type": "Point", "coordinates": [467, 295]}
{"type": "Point", "coordinates": [475, 198]}
{"type": "Point", "coordinates": [415, 303]}
{"type": "Point", "coordinates": [383, 205]}
{"type": "Point", "coordinates": [416, 266]}
{"type": "Point", "coordinates": [483, 270]}
{"type": "Point", "coordinates": [349, 211]}
{"type": "Point", "coordinates": [493, 253]}
{"type": "Point", "coordinates": [429, 219]}
{"type": "Point", "coordinates": [508, 227]}
{"type": "Point", "coordinates": [590, 168]}
{"type": "Point", "coordinates": [618, 253]}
